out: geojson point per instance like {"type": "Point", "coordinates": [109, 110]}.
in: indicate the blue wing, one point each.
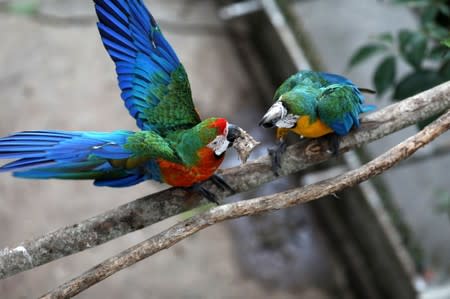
{"type": "Point", "coordinates": [336, 79]}
{"type": "Point", "coordinates": [154, 84]}
{"type": "Point", "coordinates": [73, 155]}
{"type": "Point", "coordinates": [339, 106]}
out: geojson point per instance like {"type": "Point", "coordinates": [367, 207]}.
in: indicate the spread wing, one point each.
{"type": "Point", "coordinates": [154, 84]}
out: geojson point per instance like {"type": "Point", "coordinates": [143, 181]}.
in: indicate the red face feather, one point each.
{"type": "Point", "coordinates": [220, 124]}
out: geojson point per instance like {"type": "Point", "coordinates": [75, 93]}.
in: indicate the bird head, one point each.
{"type": "Point", "coordinates": [218, 135]}
{"type": "Point", "coordinates": [278, 116]}
{"type": "Point", "coordinates": [285, 112]}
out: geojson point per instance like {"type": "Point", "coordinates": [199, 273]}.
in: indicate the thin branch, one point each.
{"type": "Point", "coordinates": [438, 151]}
{"type": "Point", "coordinates": [281, 200]}
{"type": "Point", "coordinates": [156, 207]}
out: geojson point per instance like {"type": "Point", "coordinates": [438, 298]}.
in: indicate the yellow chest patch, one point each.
{"type": "Point", "coordinates": [310, 130]}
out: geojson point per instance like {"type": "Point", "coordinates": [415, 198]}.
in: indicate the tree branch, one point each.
{"type": "Point", "coordinates": [438, 151]}
{"type": "Point", "coordinates": [156, 207]}
{"type": "Point", "coordinates": [281, 200]}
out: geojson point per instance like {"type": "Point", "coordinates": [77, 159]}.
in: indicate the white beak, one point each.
{"type": "Point", "coordinates": [273, 115]}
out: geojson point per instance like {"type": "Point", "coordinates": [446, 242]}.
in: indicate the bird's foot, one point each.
{"type": "Point", "coordinates": [275, 154]}
{"type": "Point", "coordinates": [334, 141]}
{"type": "Point", "coordinates": [221, 183]}
{"type": "Point", "coordinates": [205, 193]}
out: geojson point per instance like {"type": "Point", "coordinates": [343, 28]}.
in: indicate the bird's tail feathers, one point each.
{"type": "Point", "coordinates": [68, 155]}
{"type": "Point", "coordinates": [368, 107]}
{"type": "Point", "coordinates": [367, 90]}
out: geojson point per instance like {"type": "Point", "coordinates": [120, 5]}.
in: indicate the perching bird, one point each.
{"type": "Point", "coordinates": [313, 104]}
{"type": "Point", "coordinates": [174, 146]}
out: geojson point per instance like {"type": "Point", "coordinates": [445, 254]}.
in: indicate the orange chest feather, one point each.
{"type": "Point", "coordinates": [179, 175]}
{"type": "Point", "coordinates": [310, 130]}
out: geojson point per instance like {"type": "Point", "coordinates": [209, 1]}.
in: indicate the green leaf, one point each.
{"type": "Point", "coordinates": [384, 76]}
{"type": "Point", "coordinates": [446, 42]}
{"type": "Point", "coordinates": [413, 47]}
{"type": "Point", "coordinates": [24, 7]}
{"type": "Point", "coordinates": [365, 52]}
{"type": "Point", "coordinates": [416, 82]}
{"type": "Point", "coordinates": [436, 31]}
{"type": "Point", "coordinates": [385, 37]}
{"type": "Point", "coordinates": [429, 14]}
{"type": "Point", "coordinates": [404, 36]}
{"type": "Point", "coordinates": [444, 71]}
{"type": "Point", "coordinates": [442, 204]}
{"type": "Point", "coordinates": [444, 9]}
{"type": "Point", "coordinates": [412, 3]}
{"type": "Point", "coordinates": [439, 53]}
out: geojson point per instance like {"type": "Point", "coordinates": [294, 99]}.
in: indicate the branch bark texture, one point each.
{"type": "Point", "coordinates": [156, 207]}
{"type": "Point", "coordinates": [281, 200]}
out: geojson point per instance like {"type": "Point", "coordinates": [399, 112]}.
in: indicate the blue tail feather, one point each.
{"type": "Point", "coordinates": [26, 163]}
{"type": "Point", "coordinates": [70, 155]}
{"type": "Point", "coordinates": [18, 155]}
{"type": "Point", "coordinates": [121, 182]}
{"type": "Point", "coordinates": [368, 108]}
{"type": "Point", "coordinates": [7, 142]}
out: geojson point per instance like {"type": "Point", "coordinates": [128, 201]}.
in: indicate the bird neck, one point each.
{"type": "Point", "coordinates": [190, 144]}
{"type": "Point", "coordinates": [302, 102]}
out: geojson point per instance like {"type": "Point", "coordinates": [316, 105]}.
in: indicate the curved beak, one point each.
{"type": "Point", "coordinates": [234, 132]}
{"type": "Point", "coordinates": [241, 141]}
{"type": "Point", "coordinates": [273, 115]}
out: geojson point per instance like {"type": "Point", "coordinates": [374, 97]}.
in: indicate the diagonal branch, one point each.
{"type": "Point", "coordinates": [281, 200]}
{"type": "Point", "coordinates": [156, 207]}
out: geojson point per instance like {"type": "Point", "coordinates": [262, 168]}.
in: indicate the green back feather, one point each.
{"type": "Point", "coordinates": [190, 141]}
{"type": "Point", "coordinates": [172, 112]}
{"type": "Point", "coordinates": [336, 101]}
{"type": "Point", "coordinates": [179, 146]}
{"type": "Point", "coordinates": [151, 145]}
{"type": "Point", "coordinates": [302, 78]}
{"type": "Point", "coordinates": [302, 101]}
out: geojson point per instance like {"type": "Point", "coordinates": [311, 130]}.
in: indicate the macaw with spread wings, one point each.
{"type": "Point", "coordinates": [174, 145]}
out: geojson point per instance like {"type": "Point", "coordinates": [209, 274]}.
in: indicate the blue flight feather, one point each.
{"type": "Point", "coordinates": [144, 59]}
{"type": "Point", "coordinates": [149, 72]}
{"type": "Point", "coordinates": [74, 155]}
{"type": "Point", "coordinates": [339, 107]}
{"type": "Point", "coordinates": [26, 163]}
{"type": "Point", "coordinates": [35, 147]}
{"type": "Point", "coordinates": [336, 79]}
{"type": "Point", "coordinates": [121, 182]}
